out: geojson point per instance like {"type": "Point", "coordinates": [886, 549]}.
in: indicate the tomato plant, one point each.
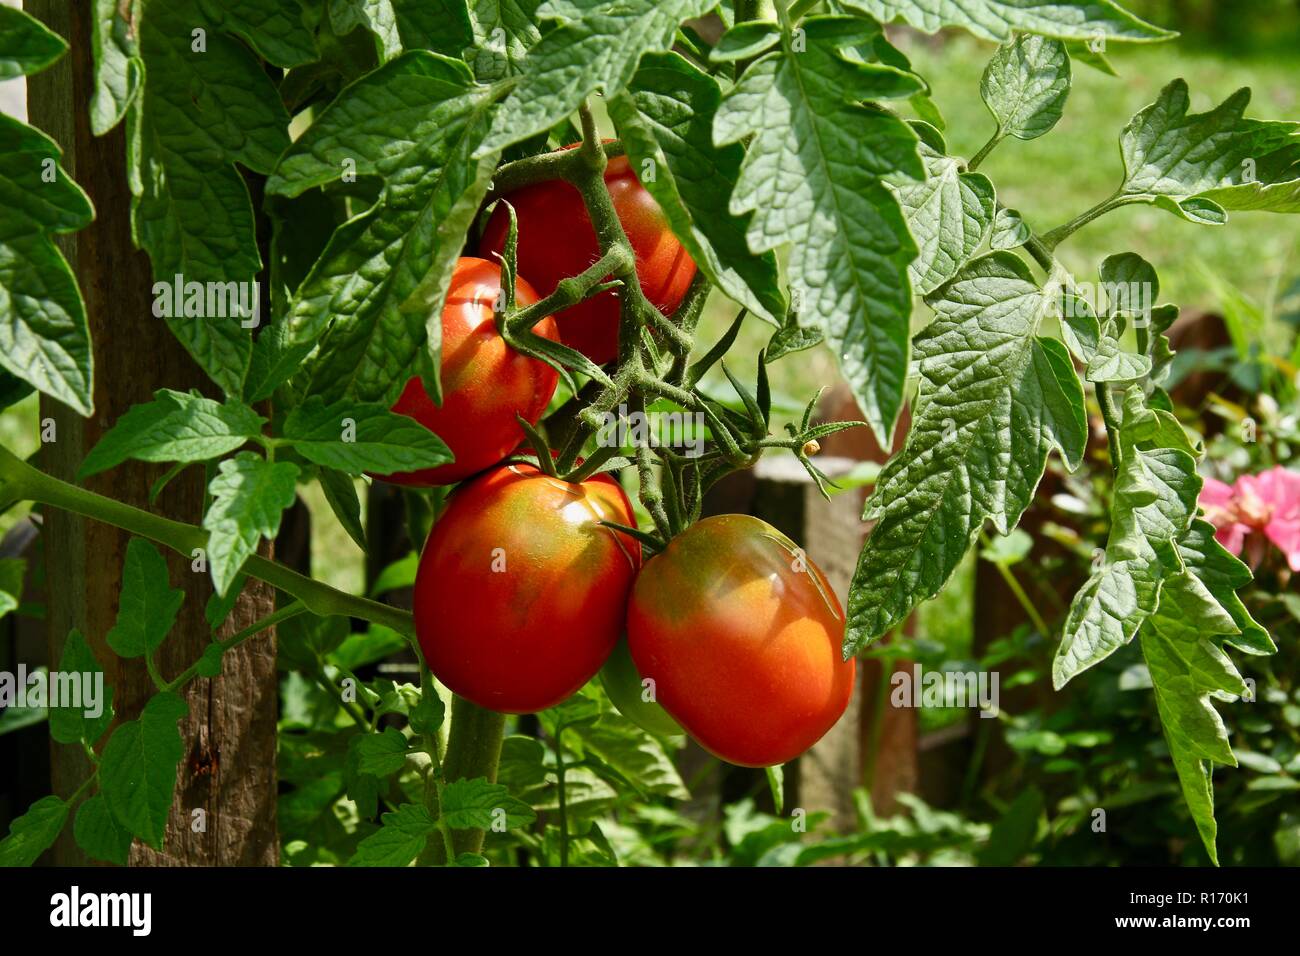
{"type": "Point", "coordinates": [741, 635]}
{"type": "Point", "coordinates": [485, 383]}
{"type": "Point", "coordinates": [521, 592]}
{"type": "Point", "coordinates": [556, 240]}
{"type": "Point", "coordinates": [306, 185]}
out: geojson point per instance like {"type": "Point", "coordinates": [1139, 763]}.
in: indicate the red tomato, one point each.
{"type": "Point", "coordinates": [556, 240]}
{"type": "Point", "coordinates": [484, 381]}
{"type": "Point", "coordinates": [520, 594]}
{"type": "Point", "coordinates": [741, 634]}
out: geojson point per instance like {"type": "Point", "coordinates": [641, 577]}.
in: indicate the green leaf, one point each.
{"type": "Point", "coordinates": [1198, 165]}
{"type": "Point", "coordinates": [381, 754]}
{"type": "Point", "coordinates": [27, 46]}
{"type": "Point", "coordinates": [70, 725]}
{"type": "Point", "coordinates": [340, 492]}
{"type": "Point", "coordinates": [1154, 504]}
{"type": "Point", "coordinates": [357, 438]}
{"type": "Point", "coordinates": [98, 834]}
{"type": "Point", "coordinates": [665, 120]}
{"type": "Point", "coordinates": [745, 41]}
{"type": "Point", "coordinates": [373, 644]}
{"type": "Point", "coordinates": [137, 773]}
{"type": "Point", "coordinates": [250, 494]}
{"type": "Point", "coordinates": [377, 16]}
{"type": "Point", "coordinates": [1025, 85]}
{"type": "Point", "coordinates": [399, 574]}
{"type": "Point", "coordinates": [638, 758]}
{"type": "Point", "coordinates": [1181, 644]}
{"type": "Point", "coordinates": [399, 841]}
{"type": "Point", "coordinates": [478, 804]}
{"type": "Point", "coordinates": [1009, 230]}
{"type": "Point", "coordinates": [175, 426]}
{"type": "Point", "coordinates": [998, 19]}
{"type": "Point", "coordinates": [197, 115]}
{"type": "Point", "coordinates": [994, 399]}
{"type": "Point", "coordinates": [209, 664]}
{"type": "Point", "coordinates": [596, 47]}
{"type": "Point", "coordinates": [949, 213]}
{"type": "Point", "coordinates": [850, 248]}
{"type": "Point", "coordinates": [34, 832]}
{"type": "Point", "coordinates": [275, 30]}
{"type": "Point", "coordinates": [373, 300]}
{"type": "Point", "coordinates": [504, 32]}
{"type": "Point", "coordinates": [43, 336]}
{"type": "Point", "coordinates": [1111, 362]}
{"type": "Point", "coordinates": [147, 605]}
{"type": "Point", "coordinates": [119, 71]}
{"type": "Point", "coordinates": [791, 337]}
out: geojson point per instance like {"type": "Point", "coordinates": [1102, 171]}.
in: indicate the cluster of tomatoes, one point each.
{"type": "Point", "coordinates": [526, 589]}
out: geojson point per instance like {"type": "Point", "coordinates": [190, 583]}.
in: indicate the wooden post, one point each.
{"type": "Point", "coordinates": [229, 768]}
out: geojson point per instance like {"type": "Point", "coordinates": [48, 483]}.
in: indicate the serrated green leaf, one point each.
{"type": "Point", "coordinates": [1153, 507]}
{"type": "Point", "coordinates": [98, 834]}
{"type": "Point", "coordinates": [1198, 165]}
{"type": "Point", "coordinates": [373, 300]}
{"type": "Point", "coordinates": [665, 119]}
{"type": "Point", "coordinates": [70, 725]}
{"type": "Point", "coordinates": [441, 26]}
{"type": "Point", "coordinates": [949, 213]}
{"type": "Point", "coordinates": [119, 70]}
{"type": "Point", "coordinates": [34, 832]}
{"type": "Point", "coordinates": [596, 47]}
{"type": "Point", "coordinates": [994, 400]}
{"type": "Point", "coordinates": [377, 16]}
{"type": "Point", "coordinates": [27, 46]}
{"type": "Point", "coordinates": [791, 337]}
{"type": "Point", "coordinates": [175, 426]}
{"type": "Point", "coordinates": [43, 336]}
{"type": "Point", "coordinates": [197, 115]}
{"type": "Point", "coordinates": [504, 32]}
{"type": "Point", "coordinates": [275, 30]}
{"type": "Point", "coordinates": [998, 19]}
{"type": "Point", "coordinates": [1181, 646]}
{"type": "Point", "coordinates": [372, 126]}
{"type": "Point", "coordinates": [355, 438]}
{"type": "Point", "coordinates": [147, 605]}
{"type": "Point", "coordinates": [249, 496]}
{"type": "Point", "coordinates": [399, 841]}
{"type": "Point", "coordinates": [381, 754]}
{"type": "Point", "coordinates": [478, 804]}
{"type": "Point", "coordinates": [850, 248]}
{"type": "Point", "coordinates": [638, 758]}
{"type": "Point", "coordinates": [137, 773]}
{"type": "Point", "coordinates": [1111, 362]}
{"type": "Point", "coordinates": [1026, 84]}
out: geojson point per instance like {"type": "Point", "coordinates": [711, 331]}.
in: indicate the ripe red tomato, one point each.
{"type": "Point", "coordinates": [741, 634]}
{"type": "Point", "coordinates": [484, 381]}
{"type": "Point", "coordinates": [520, 594]}
{"type": "Point", "coordinates": [556, 240]}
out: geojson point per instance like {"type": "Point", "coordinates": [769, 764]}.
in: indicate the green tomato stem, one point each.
{"type": "Point", "coordinates": [32, 484]}
{"type": "Point", "coordinates": [473, 750]}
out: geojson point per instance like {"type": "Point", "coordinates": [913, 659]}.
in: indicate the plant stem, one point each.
{"type": "Point", "coordinates": [473, 750]}
{"type": "Point", "coordinates": [319, 598]}
{"type": "Point", "coordinates": [536, 169]}
{"type": "Point", "coordinates": [282, 614]}
{"type": "Point", "coordinates": [1054, 237]}
{"type": "Point", "coordinates": [984, 151]}
{"type": "Point", "coordinates": [562, 801]}
{"type": "Point", "coordinates": [1022, 598]}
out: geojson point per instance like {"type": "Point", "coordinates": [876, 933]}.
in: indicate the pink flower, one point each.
{"type": "Point", "coordinates": [1267, 503]}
